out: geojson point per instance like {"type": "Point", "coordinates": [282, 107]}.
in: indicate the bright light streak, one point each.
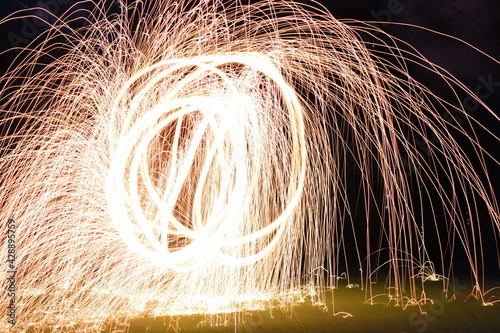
{"type": "Point", "coordinates": [225, 175]}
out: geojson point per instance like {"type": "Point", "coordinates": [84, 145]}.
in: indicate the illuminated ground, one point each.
{"type": "Point", "coordinates": [443, 316]}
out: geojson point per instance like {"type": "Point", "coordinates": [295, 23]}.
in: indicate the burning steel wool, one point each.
{"type": "Point", "coordinates": [171, 158]}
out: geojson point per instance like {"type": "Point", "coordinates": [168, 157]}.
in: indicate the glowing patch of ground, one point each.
{"type": "Point", "coordinates": [442, 316]}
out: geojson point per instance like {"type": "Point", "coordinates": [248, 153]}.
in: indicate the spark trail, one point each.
{"type": "Point", "coordinates": [173, 158]}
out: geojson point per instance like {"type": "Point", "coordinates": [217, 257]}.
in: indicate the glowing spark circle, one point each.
{"type": "Point", "coordinates": [227, 120]}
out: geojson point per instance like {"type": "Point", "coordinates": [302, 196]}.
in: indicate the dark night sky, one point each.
{"type": "Point", "coordinates": [474, 21]}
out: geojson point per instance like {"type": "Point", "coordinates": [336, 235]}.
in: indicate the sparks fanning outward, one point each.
{"type": "Point", "coordinates": [175, 158]}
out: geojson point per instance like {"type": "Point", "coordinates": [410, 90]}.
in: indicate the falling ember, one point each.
{"type": "Point", "coordinates": [175, 158]}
